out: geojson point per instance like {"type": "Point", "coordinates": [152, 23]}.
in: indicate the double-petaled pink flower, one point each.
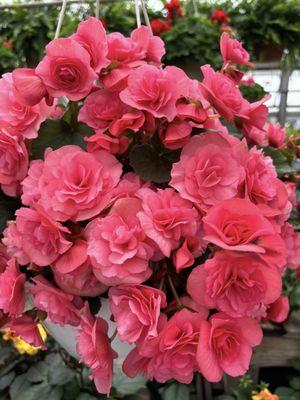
{"type": "Point", "coordinates": [225, 345]}
{"type": "Point", "coordinates": [94, 347]}
{"type": "Point", "coordinates": [136, 310]}
{"type": "Point", "coordinates": [73, 184]}
{"type": "Point", "coordinates": [117, 245]}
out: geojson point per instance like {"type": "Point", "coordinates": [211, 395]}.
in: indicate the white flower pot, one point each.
{"type": "Point", "coordinates": [66, 335]}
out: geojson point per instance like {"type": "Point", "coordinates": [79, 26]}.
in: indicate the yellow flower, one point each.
{"type": "Point", "coordinates": [22, 346]}
{"type": "Point", "coordinates": [265, 394]}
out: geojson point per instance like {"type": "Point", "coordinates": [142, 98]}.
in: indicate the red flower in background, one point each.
{"type": "Point", "coordinates": [174, 9]}
{"type": "Point", "coordinates": [159, 26]}
{"type": "Point", "coordinates": [220, 16]}
{"type": "Point", "coordinates": [8, 44]}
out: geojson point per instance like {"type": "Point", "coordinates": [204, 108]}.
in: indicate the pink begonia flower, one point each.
{"type": "Point", "coordinates": [252, 124]}
{"type": "Point", "coordinates": [61, 308]}
{"type": "Point", "coordinates": [13, 242]}
{"type": "Point", "coordinates": [124, 54]}
{"type": "Point", "coordinates": [136, 364]}
{"type": "Point", "coordinates": [152, 47]}
{"type": "Point", "coordinates": [189, 302]}
{"type": "Point", "coordinates": [91, 36]}
{"type": "Point", "coordinates": [155, 90]}
{"type": "Point", "coordinates": [233, 52]}
{"type": "Point", "coordinates": [193, 246]}
{"type": "Point", "coordinates": [136, 310]}
{"type": "Point", "coordinates": [292, 192]}
{"type": "Point", "coordinates": [35, 237]}
{"type": "Point", "coordinates": [234, 283]}
{"type": "Point", "coordinates": [94, 347]}
{"type": "Point", "coordinates": [73, 272]}
{"type": "Point", "coordinates": [66, 70]}
{"type": "Point", "coordinates": [292, 242]}
{"type": "Point", "coordinates": [16, 118]}
{"type": "Point", "coordinates": [275, 134]}
{"type": "Point", "coordinates": [220, 91]}
{"type": "Point", "coordinates": [101, 108]}
{"type": "Point", "coordinates": [264, 189]}
{"type": "Point", "coordinates": [176, 135]}
{"type": "Point", "coordinates": [256, 136]}
{"type": "Point", "coordinates": [75, 184]}
{"type": "Point", "coordinates": [129, 184]}
{"type": "Point", "coordinates": [214, 124]}
{"type": "Point", "coordinates": [124, 50]}
{"type": "Point", "coordinates": [101, 141]}
{"type": "Point", "coordinates": [130, 121]}
{"type": "Point", "coordinates": [166, 218]}
{"type": "Point", "coordinates": [210, 169]}
{"type": "Point", "coordinates": [191, 111]}
{"type": "Point", "coordinates": [194, 107]}
{"type": "Point", "coordinates": [239, 225]}
{"type": "Point", "coordinates": [73, 258]}
{"type": "Point", "coordinates": [13, 163]}
{"type": "Point", "coordinates": [117, 245]}
{"type": "Point", "coordinates": [80, 282]}
{"type": "Point", "coordinates": [183, 257]}
{"type": "Point", "coordinates": [29, 88]}
{"type": "Point", "coordinates": [12, 297]}
{"type": "Point", "coordinates": [279, 310]}
{"type": "Point", "coordinates": [225, 344]}
{"type": "Point", "coordinates": [233, 73]}
{"type": "Point", "coordinates": [27, 329]}
{"type": "Point", "coordinates": [172, 354]}
{"type": "Point", "coordinates": [30, 185]}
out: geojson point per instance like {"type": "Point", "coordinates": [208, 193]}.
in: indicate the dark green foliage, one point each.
{"type": "Point", "coordinates": [253, 92]}
{"type": "Point", "coordinates": [193, 39]}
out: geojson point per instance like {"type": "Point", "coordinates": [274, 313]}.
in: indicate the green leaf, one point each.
{"type": "Point", "coordinates": [295, 383]}
{"type": "Point", "coordinates": [8, 367]}
{"type": "Point", "coordinates": [35, 392]}
{"type": "Point", "coordinates": [18, 386]}
{"type": "Point", "coordinates": [71, 390]}
{"type": "Point", "coordinates": [225, 397]}
{"type": "Point", "coordinates": [56, 134]}
{"type": "Point", "coordinates": [125, 385]}
{"type": "Point", "coordinates": [56, 393]}
{"type": "Point", "coordinates": [284, 391]}
{"type": "Point", "coordinates": [281, 162]}
{"type": "Point", "coordinates": [176, 391]}
{"type": "Point", "coordinates": [133, 397]}
{"type": "Point", "coordinates": [53, 360]}
{"type": "Point", "coordinates": [60, 375]}
{"type": "Point", "coordinates": [38, 372]}
{"type": "Point", "coordinates": [149, 164]}
{"type": "Point", "coordinates": [296, 396]}
{"type": "Point", "coordinates": [295, 363]}
{"type": "Point", "coordinates": [6, 380]}
{"type": "Point", "coordinates": [85, 396]}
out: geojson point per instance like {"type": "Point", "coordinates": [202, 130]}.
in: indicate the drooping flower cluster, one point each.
{"type": "Point", "coordinates": [180, 222]}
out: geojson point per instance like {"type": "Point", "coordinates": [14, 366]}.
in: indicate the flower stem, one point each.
{"type": "Point", "coordinates": [176, 297]}
{"type": "Point", "coordinates": [162, 282]}
{"type": "Point", "coordinates": [113, 335]}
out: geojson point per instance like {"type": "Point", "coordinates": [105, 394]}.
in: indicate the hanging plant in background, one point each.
{"type": "Point", "coordinates": [134, 193]}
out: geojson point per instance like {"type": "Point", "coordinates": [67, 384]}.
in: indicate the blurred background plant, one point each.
{"type": "Point", "coordinates": [268, 27]}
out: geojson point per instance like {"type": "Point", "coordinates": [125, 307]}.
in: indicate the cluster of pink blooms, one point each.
{"type": "Point", "coordinates": [190, 267]}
